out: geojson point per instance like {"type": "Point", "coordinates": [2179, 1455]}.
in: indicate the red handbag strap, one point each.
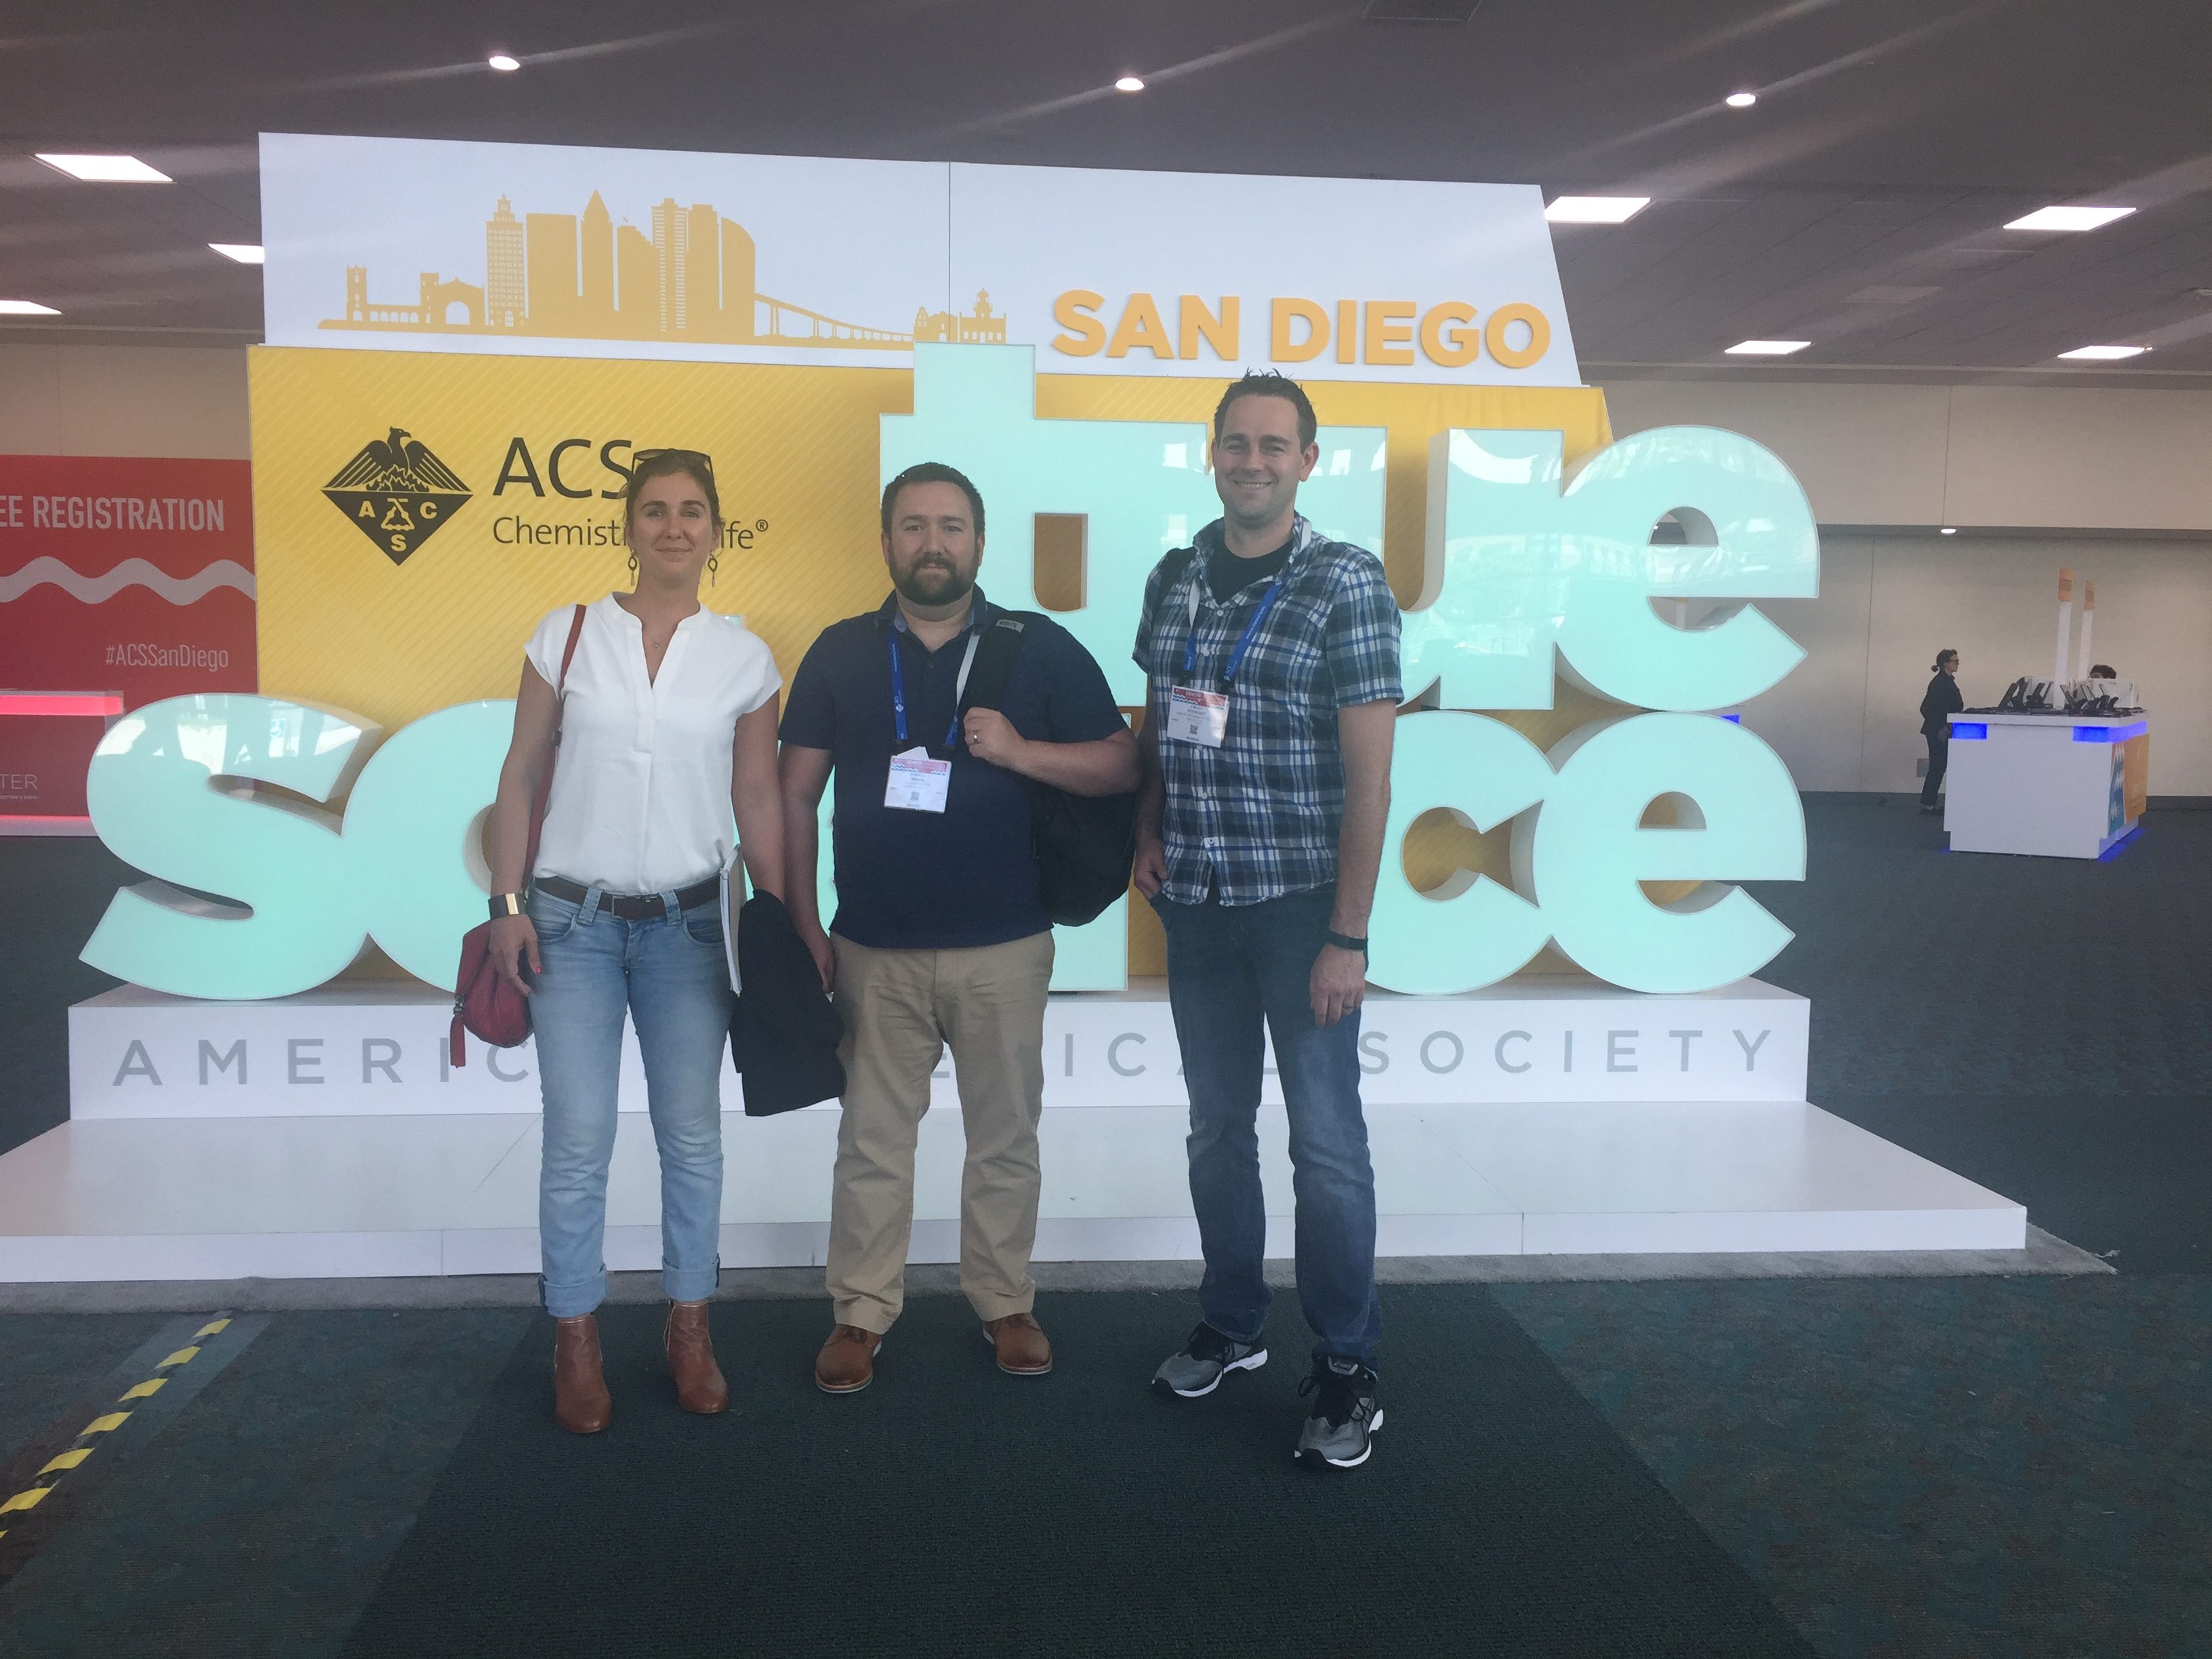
{"type": "Point", "coordinates": [545, 783]}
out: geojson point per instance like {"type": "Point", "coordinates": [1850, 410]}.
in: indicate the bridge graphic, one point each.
{"type": "Point", "coordinates": [553, 276]}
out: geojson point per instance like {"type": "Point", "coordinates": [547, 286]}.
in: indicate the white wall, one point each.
{"type": "Point", "coordinates": [1996, 457]}
{"type": "Point", "coordinates": [1849, 717]}
{"type": "Point", "coordinates": [124, 400]}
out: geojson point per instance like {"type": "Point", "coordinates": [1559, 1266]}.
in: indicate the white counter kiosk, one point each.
{"type": "Point", "coordinates": [2058, 786]}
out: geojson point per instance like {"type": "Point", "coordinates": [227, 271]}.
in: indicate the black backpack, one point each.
{"type": "Point", "coordinates": [1085, 844]}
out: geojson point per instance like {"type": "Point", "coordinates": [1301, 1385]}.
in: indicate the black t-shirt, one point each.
{"type": "Point", "coordinates": [1229, 573]}
{"type": "Point", "coordinates": [967, 876]}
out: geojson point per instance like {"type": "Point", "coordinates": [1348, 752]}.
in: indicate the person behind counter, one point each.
{"type": "Point", "coordinates": [1941, 701]}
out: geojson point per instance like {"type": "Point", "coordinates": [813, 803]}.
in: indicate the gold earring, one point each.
{"type": "Point", "coordinates": [714, 565]}
{"type": "Point", "coordinates": [633, 566]}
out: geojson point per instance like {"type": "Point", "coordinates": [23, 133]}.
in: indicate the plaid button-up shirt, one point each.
{"type": "Point", "coordinates": [1258, 817]}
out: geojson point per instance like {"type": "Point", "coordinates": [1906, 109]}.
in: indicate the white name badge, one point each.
{"type": "Point", "coordinates": [1199, 717]}
{"type": "Point", "coordinates": [917, 783]}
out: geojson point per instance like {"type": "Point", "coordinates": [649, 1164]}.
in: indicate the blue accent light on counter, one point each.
{"type": "Point", "coordinates": [2110, 733]}
{"type": "Point", "coordinates": [1969, 731]}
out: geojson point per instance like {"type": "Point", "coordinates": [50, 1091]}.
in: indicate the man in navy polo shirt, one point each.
{"type": "Point", "coordinates": [941, 936]}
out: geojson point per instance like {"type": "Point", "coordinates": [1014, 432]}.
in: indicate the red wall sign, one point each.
{"type": "Point", "coordinates": [125, 581]}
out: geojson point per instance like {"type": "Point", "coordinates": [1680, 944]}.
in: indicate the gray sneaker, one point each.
{"type": "Point", "coordinates": [1340, 1432]}
{"type": "Point", "coordinates": [1205, 1360]}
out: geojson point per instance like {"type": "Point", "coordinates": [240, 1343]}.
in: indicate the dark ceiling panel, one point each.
{"type": "Point", "coordinates": [1891, 139]}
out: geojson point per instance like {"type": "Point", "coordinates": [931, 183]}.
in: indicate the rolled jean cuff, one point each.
{"type": "Point", "coordinates": [690, 1283]}
{"type": "Point", "coordinates": [574, 1300]}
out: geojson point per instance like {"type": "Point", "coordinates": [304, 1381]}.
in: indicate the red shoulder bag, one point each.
{"type": "Point", "coordinates": [483, 1003]}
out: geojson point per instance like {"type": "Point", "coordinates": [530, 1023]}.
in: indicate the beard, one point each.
{"type": "Point", "coordinates": [933, 584]}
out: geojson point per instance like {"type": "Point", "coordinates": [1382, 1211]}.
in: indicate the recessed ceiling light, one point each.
{"type": "Point", "coordinates": [2068, 218]}
{"type": "Point", "coordinates": [1129, 83]}
{"type": "Point", "coordinates": [2104, 354]}
{"type": "Point", "coordinates": [107, 169]}
{"type": "Point", "coordinates": [246, 253]}
{"type": "Point", "coordinates": [1766, 347]}
{"type": "Point", "coordinates": [1950, 530]}
{"type": "Point", "coordinates": [1741, 99]}
{"type": "Point", "coordinates": [1596, 209]}
{"type": "Point", "coordinates": [26, 308]}
{"type": "Point", "coordinates": [499, 60]}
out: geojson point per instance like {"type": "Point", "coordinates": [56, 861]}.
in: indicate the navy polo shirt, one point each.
{"type": "Point", "coordinates": [967, 876]}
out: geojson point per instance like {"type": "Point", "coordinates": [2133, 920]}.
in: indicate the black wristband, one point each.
{"type": "Point", "coordinates": [505, 904]}
{"type": "Point", "coordinates": [1345, 942]}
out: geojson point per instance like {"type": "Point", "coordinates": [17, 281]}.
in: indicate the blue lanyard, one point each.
{"type": "Point", "coordinates": [959, 690]}
{"type": "Point", "coordinates": [1244, 644]}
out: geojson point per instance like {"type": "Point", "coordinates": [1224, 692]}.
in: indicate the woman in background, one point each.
{"type": "Point", "coordinates": [1942, 700]}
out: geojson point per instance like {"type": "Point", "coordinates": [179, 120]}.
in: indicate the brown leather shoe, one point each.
{"type": "Point", "coordinates": [1023, 1348]}
{"type": "Point", "coordinates": [580, 1403]}
{"type": "Point", "coordinates": [847, 1363]}
{"type": "Point", "coordinates": [699, 1385]}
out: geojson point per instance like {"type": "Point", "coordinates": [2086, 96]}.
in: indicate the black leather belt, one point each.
{"type": "Point", "coordinates": [633, 907]}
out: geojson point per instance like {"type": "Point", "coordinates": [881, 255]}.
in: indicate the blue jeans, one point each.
{"type": "Point", "coordinates": [1230, 967]}
{"type": "Point", "coordinates": [670, 975]}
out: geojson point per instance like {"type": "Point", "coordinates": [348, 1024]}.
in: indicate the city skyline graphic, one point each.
{"type": "Point", "coordinates": [560, 275]}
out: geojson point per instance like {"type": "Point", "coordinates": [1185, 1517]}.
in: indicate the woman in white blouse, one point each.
{"type": "Point", "coordinates": [666, 732]}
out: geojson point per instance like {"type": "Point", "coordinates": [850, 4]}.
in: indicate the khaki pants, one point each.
{"type": "Point", "coordinates": [901, 1008]}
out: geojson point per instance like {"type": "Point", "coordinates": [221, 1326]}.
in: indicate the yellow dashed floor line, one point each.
{"type": "Point", "coordinates": [88, 1442]}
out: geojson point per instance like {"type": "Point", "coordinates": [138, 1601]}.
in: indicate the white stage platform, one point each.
{"type": "Point", "coordinates": [1693, 1136]}
{"type": "Point", "coordinates": [299, 1198]}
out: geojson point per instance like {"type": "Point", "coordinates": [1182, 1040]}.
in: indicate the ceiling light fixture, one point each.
{"type": "Point", "coordinates": [107, 169]}
{"type": "Point", "coordinates": [1596, 209]}
{"type": "Point", "coordinates": [1766, 347]}
{"type": "Point", "coordinates": [246, 253]}
{"type": "Point", "coordinates": [2068, 218]}
{"type": "Point", "coordinates": [1129, 83]}
{"type": "Point", "coordinates": [501, 62]}
{"type": "Point", "coordinates": [2104, 354]}
{"type": "Point", "coordinates": [1741, 99]}
{"type": "Point", "coordinates": [26, 308]}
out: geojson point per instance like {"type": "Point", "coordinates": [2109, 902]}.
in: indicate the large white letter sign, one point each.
{"type": "Point", "coordinates": [308, 895]}
{"type": "Point", "coordinates": [1471, 931]}
{"type": "Point", "coordinates": [152, 794]}
{"type": "Point", "coordinates": [1579, 856]}
{"type": "Point", "coordinates": [1516, 564]}
{"type": "Point", "coordinates": [1738, 819]}
{"type": "Point", "coordinates": [409, 833]}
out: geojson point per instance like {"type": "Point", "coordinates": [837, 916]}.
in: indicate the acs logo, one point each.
{"type": "Point", "coordinates": [397, 492]}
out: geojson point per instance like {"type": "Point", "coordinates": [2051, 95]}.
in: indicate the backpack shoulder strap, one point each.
{"type": "Point", "coordinates": [996, 653]}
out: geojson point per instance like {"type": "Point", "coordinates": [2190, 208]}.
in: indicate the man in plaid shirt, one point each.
{"type": "Point", "coordinates": [1273, 653]}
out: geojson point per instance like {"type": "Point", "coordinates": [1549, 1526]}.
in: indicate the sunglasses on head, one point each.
{"type": "Point", "coordinates": [640, 457]}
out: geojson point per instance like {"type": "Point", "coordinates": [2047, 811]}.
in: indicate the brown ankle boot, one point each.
{"type": "Point", "coordinates": [581, 1404]}
{"type": "Point", "coordinates": [699, 1385]}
